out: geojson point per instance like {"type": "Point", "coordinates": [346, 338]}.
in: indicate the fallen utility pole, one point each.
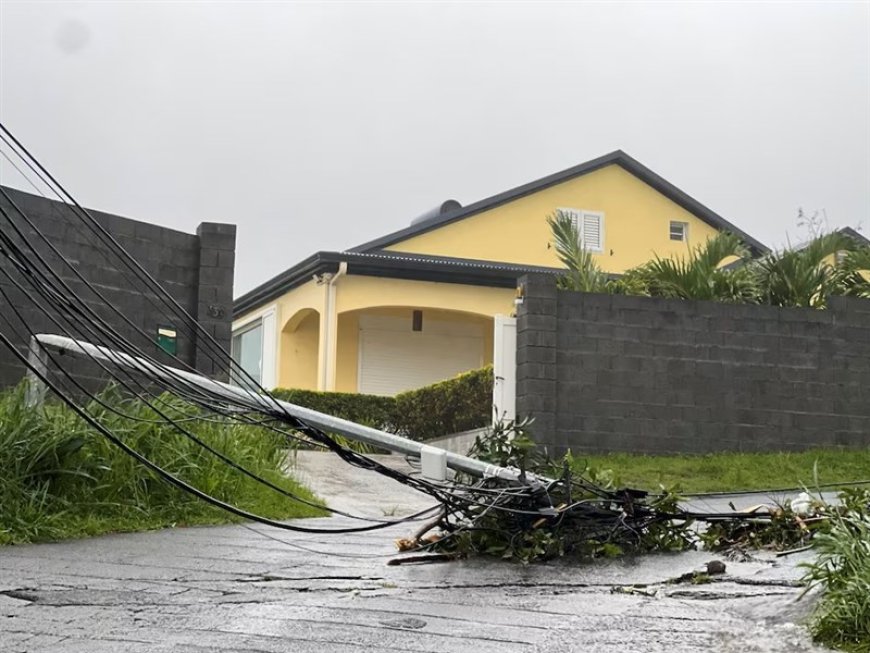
{"type": "Point", "coordinates": [434, 460]}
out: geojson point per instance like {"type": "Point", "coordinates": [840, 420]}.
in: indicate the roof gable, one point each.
{"type": "Point", "coordinates": [857, 236]}
{"type": "Point", "coordinates": [618, 157]}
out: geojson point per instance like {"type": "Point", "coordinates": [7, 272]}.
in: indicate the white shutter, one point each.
{"type": "Point", "coordinates": [393, 358]}
{"type": "Point", "coordinates": [590, 227]}
{"type": "Point", "coordinates": [593, 231]}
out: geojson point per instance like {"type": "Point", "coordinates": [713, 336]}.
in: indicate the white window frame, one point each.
{"type": "Point", "coordinates": [236, 355]}
{"type": "Point", "coordinates": [578, 216]}
{"type": "Point", "coordinates": [685, 226]}
{"type": "Point", "coordinates": [267, 318]}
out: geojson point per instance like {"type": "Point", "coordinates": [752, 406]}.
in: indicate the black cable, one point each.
{"type": "Point", "coordinates": [129, 262]}
{"type": "Point", "coordinates": [172, 422]}
{"type": "Point", "coordinates": [453, 499]}
{"type": "Point", "coordinates": [167, 476]}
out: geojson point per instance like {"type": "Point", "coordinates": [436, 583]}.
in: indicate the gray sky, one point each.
{"type": "Point", "coordinates": [323, 125]}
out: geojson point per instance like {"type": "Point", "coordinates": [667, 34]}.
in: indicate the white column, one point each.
{"type": "Point", "coordinates": [269, 369]}
{"type": "Point", "coordinates": [325, 327]}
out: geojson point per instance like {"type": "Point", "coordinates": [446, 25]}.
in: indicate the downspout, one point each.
{"type": "Point", "coordinates": [330, 330]}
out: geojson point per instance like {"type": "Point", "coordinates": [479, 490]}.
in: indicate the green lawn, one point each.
{"type": "Point", "coordinates": [734, 471]}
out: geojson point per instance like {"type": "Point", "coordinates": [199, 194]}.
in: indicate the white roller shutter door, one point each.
{"type": "Point", "coordinates": [393, 358]}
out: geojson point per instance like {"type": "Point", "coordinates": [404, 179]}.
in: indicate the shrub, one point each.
{"type": "Point", "coordinates": [369, 410]}
{"type": "Point", "coordinates": [443, 408]}
{"type": "Point", "coordinates": [459, 404]}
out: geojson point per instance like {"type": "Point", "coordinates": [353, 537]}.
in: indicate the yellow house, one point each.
{"type": "Point", "coordinates": [418, 305]}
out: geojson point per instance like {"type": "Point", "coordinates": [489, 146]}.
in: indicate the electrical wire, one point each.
{"type": "Point", "coordinates": [71, 311]}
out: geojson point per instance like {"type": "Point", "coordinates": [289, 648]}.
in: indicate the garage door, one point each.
{"type": "Point", "coordinates": [394, 358]}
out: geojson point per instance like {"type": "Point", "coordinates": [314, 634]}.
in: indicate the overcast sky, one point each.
{"type": "Point", "coordinates": [319, 126]}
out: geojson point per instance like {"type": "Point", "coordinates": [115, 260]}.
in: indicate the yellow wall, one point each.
{"type": "Point", "coordinates": [347, 353]}
{"type": "Point", "coordinates": [297, 335]}
{"type": "Point", "coordinates": [356, 292]}
{"type": "Point", "coordinates": [300, 310]}
{"type": "Point", "coordinates": [297, 361]}
{"type": "Point", "coordinates": [636, 224]}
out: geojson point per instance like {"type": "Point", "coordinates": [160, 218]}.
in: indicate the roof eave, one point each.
{"type": "Point", "coordinates": [415, 268]}
{"type": "Point", "coordinates": [291, 278]}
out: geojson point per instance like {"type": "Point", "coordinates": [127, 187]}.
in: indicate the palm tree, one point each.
{"type": "Point", "coordinates": [703, 274]}
{"type": "Point", "coordinates": [583, 272]}
{"type": "Point", "coordinates": [808, 275]}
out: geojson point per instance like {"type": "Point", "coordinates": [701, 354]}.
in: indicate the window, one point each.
{"type": "Point", "coordinates": [247, 349]}
{"type": "Point", "coordinates": [679, 230]}
{"type": "Point", "coordinates": [590, 226]}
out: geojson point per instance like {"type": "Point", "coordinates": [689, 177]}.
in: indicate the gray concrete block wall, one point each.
{"type": "Point", "coordinates": [651, 375]}
{"type": "Point", "coordinates": [214, 298]}
{"type": "Point", "coordinates": [195, 269]}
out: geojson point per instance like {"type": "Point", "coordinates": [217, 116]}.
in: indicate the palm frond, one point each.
{"type": "Point", "coordinates": [713, 253]}
{"type": "Point", "coordinates": [805, 276]}
{"type": "Point", "coordinates": [852, 277]}
{"type": "Point", "coordinates": [700, 275]}
{"type": "Point", "coordinates": [583, 272]}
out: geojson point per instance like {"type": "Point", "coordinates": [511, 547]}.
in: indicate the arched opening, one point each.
{"type": "Point", "coordinates": [300, 340]}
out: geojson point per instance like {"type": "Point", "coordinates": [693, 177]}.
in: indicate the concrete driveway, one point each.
{"type": "Point", "coordinates": [234, 588]}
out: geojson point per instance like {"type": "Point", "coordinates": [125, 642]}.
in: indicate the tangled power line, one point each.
{"type": "Point", "coordinates": [39, 280]}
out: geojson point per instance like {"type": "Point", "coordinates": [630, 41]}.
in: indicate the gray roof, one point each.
{"type": "Point", "coordinates": [618, 157]}
{"type": "Point", "coordinates": [860, 238]}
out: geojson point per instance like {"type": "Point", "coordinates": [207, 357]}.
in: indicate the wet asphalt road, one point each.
{"type": "Point", "coordinates": [234, 589]}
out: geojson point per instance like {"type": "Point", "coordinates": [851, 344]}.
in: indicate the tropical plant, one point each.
{"type": "Point", "coordinates": [804, 276]}
{"type": "Point", "coordinates": [583, 274]}
{"type": "Point", "coordinates": [710, 271]}
{"type": "Point", "coordinates": [853, 273]}
{"type": "Point", "coordinates": [842, 568]}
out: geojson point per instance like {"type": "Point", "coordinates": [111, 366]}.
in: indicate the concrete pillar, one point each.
{"type": "Point", "coordinates": [214, 308]}
{"type": "Point", "coordinates": [536, 357]}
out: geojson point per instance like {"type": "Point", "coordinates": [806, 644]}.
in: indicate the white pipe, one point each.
{"type": "Point", "coordinates": [257, 401]}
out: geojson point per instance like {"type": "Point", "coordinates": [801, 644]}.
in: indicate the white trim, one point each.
{"type": "Point", "coordinates": [242, 322]}
{"type": "Point", "coordinates": [685, 226]}
{"type": "Point", "coordinates": [267, 317]}
{"type": "Point", "coordinates": [504, 368]}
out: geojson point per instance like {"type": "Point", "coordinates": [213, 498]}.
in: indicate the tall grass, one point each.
{"type": "Point", "coordinates": [60, 478]}
{"type": "Point", "coordinates": [842, 618]}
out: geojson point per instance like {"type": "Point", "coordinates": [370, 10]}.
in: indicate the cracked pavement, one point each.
{"type": "Point", "coordinates": [231, 588]}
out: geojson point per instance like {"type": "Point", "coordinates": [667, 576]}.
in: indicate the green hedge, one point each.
{"type": "Point", "coordinates": [369, 410]}
{"type": "Point", "coordinates": [452, 406]}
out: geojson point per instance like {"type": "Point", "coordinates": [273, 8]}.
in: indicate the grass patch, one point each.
{"type": "Point", "coordinates": [734, 471]}
{"type": "Point", "coordinates": [62, 479]}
